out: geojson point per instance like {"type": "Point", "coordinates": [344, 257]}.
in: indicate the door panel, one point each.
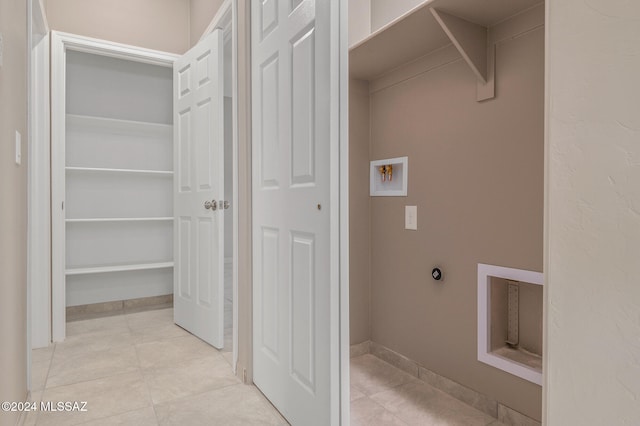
{"type": "Point", "coordinates": [269, 123]}
{"type": "Point", "coordinates": [292, 340]}
{"type": "Point", "coordinates": [184, 254]}
{"type": "Point", "coordinates": [302, 309]}
{"type": "Point", "coordinates": [199, 167]}
{"type": "Point", "coordinates": [269, 294]}
{"type": "Point", "coordinates": [303, 109]}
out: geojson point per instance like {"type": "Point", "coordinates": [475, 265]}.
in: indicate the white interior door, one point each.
{"type": "Point", "coordinates": [294, 339]}
{"type": "Point", "coordinates": [198, 190]}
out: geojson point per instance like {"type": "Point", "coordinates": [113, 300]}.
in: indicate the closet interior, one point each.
{"type": "Point", "coordinates": [118, 179]}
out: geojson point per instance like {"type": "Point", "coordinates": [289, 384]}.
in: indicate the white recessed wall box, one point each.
{"type": "Point", "coordinates": [389, 177]}
{"type": "Point", "coordinates": [519, 365]}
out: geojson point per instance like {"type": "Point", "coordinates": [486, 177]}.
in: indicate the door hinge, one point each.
{"type": "Point", "coordinates": [63, 205]}
{"type": "Point", "coordinates": [244, 376]}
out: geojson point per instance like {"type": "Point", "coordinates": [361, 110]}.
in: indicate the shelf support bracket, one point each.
{"type": "Point", "coordinates": [474, 44]}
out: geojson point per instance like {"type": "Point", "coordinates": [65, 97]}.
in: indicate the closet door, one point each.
{"type": "Point", "coordinates": [198, 191]}
{"type": "Point", "coordinates": [295, 181]}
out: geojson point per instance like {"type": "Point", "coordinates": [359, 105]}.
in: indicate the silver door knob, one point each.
{"type": "Point", "coordinates": [213, 205]}
{"type": "Point", "coordinates": [224, 204]}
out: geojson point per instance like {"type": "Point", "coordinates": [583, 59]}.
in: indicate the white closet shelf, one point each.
{"type": "Point", "coordinates": [417, 33]}
{"type": "Point", "coordinates": [124, 171]}
{"type": "Point", "coordinates": [118, 268]}
{"type": "Point", "coordinates": [117, 125]}
{"type": "Point", "coordinates": [119, 219]}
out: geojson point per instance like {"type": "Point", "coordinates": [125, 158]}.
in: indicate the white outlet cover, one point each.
{"type": "Point", "coordinates": [411, 218]}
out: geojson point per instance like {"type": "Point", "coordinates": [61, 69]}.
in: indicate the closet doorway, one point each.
{"type": "Point", "coordinates": [115, 180]}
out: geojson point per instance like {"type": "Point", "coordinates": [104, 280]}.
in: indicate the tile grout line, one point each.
{"type": "Point", "coordinates": [46, 379]}
{"type": "Point", "coordinates": [421, 383]}
{"type": "Point", "coordinates": [44, 385]}
{"type": "Point", "coordinates": [85, 380]}
{"type": "Point", "coordinates": [382, 406]}
{"type": "Point", "coordinates": [146, 384]}
{"type": "Point", "coordinates": [153, 404]}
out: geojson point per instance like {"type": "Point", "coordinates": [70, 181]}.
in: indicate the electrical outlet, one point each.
{"type": "Point", "coordinates": [411, 218]}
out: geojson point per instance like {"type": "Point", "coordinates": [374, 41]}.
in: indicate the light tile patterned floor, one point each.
{"type": "Point", "coordinates": [383, 395]}
{"type": "Point", "coordinates": [141, 369]}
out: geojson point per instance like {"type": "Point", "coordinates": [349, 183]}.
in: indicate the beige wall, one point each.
{"type": "Point", "coordinates": [201, 13]}
{"type": "Point", "coordinates": [166, 25]}
{"type": "Point", "coordinates": [593, 216]}
{"type": "Point", "coordinates": [359, 212]}
{"type": "Point", "coordinates": [385, 11]}
{"type": "Point", "coordinates": [359, 20]}
{"type": "Point", "coordinates": [476, 176]}
{"type": "Point", "coordinates": [154, 24]}
{"type": "Point", "coordinates": [13, 207]}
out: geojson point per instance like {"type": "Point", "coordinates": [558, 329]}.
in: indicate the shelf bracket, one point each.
{"type": "Point", "coordinates": [474, 44]}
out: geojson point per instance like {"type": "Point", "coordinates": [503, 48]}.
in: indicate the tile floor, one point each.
{"type": "Point", "coordinates": [141, 369]}
{"type": "Point", "coordinates": [382, 395]}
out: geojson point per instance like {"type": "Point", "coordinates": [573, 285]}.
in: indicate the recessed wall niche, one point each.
{"type": "Point", "coordinates": [389, 177]}
{"type": "Point", "coordinates": [510, 320]}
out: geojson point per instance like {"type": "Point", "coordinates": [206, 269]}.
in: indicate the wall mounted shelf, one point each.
{"type": "Point", "coordinates": [118, 268]}
{"type": "Point", "coordinates": [114, 125]}
{"type": "Point", "coordinates": [127, 171]}
{"type": "Point", "coordinates": [394, 185]}
{"type": "Point", "coordinates": [431, 26]}
{"type": "Point", "coordinates": [119, 219]}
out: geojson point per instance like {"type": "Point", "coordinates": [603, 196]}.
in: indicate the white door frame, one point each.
{"type": "Point", "coordinates": [340, 131]}
{"type": "Point", "coordinates": [38, 225]}
{"type": "Point", "coordinates": [342, 97]}
{"type": "Point", "coordinates": [39, 239]}
{"type": "Point", "coordinates": [60, 44]}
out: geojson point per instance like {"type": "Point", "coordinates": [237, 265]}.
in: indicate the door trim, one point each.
{"type": "Point", "coordinates": [342, 22]}
{"type": "Point", "coordinates": [39, 232]}
{"type": "Point", "coordinates": [339, 46]}
{"type": "Point", "coordinates": [60, 44]}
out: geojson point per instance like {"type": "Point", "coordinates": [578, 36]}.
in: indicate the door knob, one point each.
{"type": "Point", "coordinates": [213, 205]}
{"type": "Point", "coordinates": [224, 204]}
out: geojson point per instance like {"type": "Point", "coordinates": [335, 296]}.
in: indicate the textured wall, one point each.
{"type": "Point", "coordinates": [476, 176]}
{"type": "Point", "coordinates": [13, 207]}
{"type": "Point", "coordinates": [593, 273]}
